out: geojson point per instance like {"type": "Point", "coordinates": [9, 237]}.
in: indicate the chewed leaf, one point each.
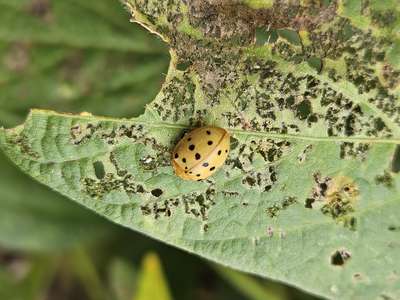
{"type": "Point", "coordinates": [310, 184]}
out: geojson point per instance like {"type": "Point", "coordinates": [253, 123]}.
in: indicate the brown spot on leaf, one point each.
{"type": "Point", "coordinates": [335, 197]}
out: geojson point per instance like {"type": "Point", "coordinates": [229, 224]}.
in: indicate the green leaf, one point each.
{"type": "Point", "coordinates": [152, 283]}
{"type": "Point", "coordinates": [307, 196]}
{"type": "Point", "coordinates": [122, 278]}
{"type": "Point", "coordinates": [34, 218]}
{"type": "Point", "coordinates": [85, 269]}
{"type": "Point", "coordinates": [250, 287]}
{"type": "Point", "coordinates": [29, 281]}
{"type": "Point", "coordinates": [50, 23]}
{"type": "Point", "coordinates": [52, 57]}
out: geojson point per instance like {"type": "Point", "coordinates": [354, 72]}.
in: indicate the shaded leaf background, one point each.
{"type": "Point", "coordinates": [79, 56]}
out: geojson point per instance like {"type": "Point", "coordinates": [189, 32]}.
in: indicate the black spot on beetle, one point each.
{"type": "Point", "coordinates": [212, 168]}
{"type": "Point", "coordinates": [219, 152]}
{"type": "Point", "coordinates": [205, 164]}
{"type": "Point", "coordinates": [197, 156]}
{"type": "Point", "coordinates": [226, 151]}
{"type": "Point", "coordinates": [210, 143]}
{"type": "Point", "coordinates": [208, 132]}
{"type": "Point", "coordinates": [157, 192]}
{"type": "Point", "coordinates": [189, 139]}
{"type": "Point", "coordinates": [198, 175]}
{"type": "Point", "coordinates": [191, 147]}
{"type": "Point", "coordinates": [176, 155]}
{"type": "Point", "coordinates": [184, 160]}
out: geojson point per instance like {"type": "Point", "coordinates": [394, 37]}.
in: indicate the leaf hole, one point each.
{"type": "Point", "coordinates": [303, 109]}
{"type": "Point", "coordinates": [309, 202]}
{"type": "Point", "coordinates": [99, 169]}
{"type": "Point", "coordinates": [396, 160]}
{"type": "Point", "coordinates": [315, 63]}
{"type": "Point", "coordinates": [290, 35]}
{"type": "Point", "coordinates": [183, 65]}
{"type": "Point", "coordinates": [234, 143]}
{"type": "Point", "coordinates": [340, 257]}
{"type": "Point", "coordinates": [157, 192]}
{"type": "Point", "coordinates": [264, 36]}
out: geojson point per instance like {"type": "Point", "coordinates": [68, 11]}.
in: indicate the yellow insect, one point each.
{"type": "Point", "coordinates": [201, 152]}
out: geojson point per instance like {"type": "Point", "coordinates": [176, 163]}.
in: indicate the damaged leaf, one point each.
{"type": "Point", "coordinates": [315, 121]}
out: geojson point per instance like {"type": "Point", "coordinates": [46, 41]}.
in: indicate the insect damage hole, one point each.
{"type": "Point", "coordinates": [99, 169]}
{"type": "Point", "coordinates": [157, 192]}
{"type": "Point", "coordinates": [303, 109]}
{"type": "Point", "coordinates": [396, 160]}
{"type": "Point", "coordinates": [291, 36]}
{"type": "Point", "coordinates": [183, 65]}
{"type": "Point", "coordinates": [265, 36]}
{"type": "Point", "coordinates": [339, 257]}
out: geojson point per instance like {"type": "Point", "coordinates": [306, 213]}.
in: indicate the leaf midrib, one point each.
{"type": "Point", "coordinates": [178, 126]}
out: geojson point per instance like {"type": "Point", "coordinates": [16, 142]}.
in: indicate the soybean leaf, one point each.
{"type": "Point", "coordinates": [122, 279]}
{"type": "Point", "coordinates": [250, 287]}
{"type": "Point", "coordinates": [52, 56]}
{"type": "Point", "coordinates": [152, 283]}
{"type": "Point", "coordinates": [27, 280]}
{"type": "Point", "coordinates": [34, 218]}
{"type": "Point", "coordinates": [309, 194]}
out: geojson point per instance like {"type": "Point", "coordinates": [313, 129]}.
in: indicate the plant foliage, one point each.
{"type": "Point", "coordinates": [310, 92]}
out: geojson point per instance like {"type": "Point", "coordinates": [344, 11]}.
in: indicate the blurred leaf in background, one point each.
{"type": "Point", "coordinates": [122, 279]}
{"type": "Point", "coordinates": [34, 218]}
{"type": "Point", "coordinates": [70, 56]}
{"type": "Point", "coordinates": [75, 56]}
{"type": "Point", "coordinates": [152, 283]}
{"type": "Point", "coordinates": [79, 56]}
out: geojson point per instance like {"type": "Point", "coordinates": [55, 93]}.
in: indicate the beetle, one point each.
{"type": "Point", "coordinates": [201, 152]}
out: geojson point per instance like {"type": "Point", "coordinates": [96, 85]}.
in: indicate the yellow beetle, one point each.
{"type": "Point", "coordinates": [201, 152]}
